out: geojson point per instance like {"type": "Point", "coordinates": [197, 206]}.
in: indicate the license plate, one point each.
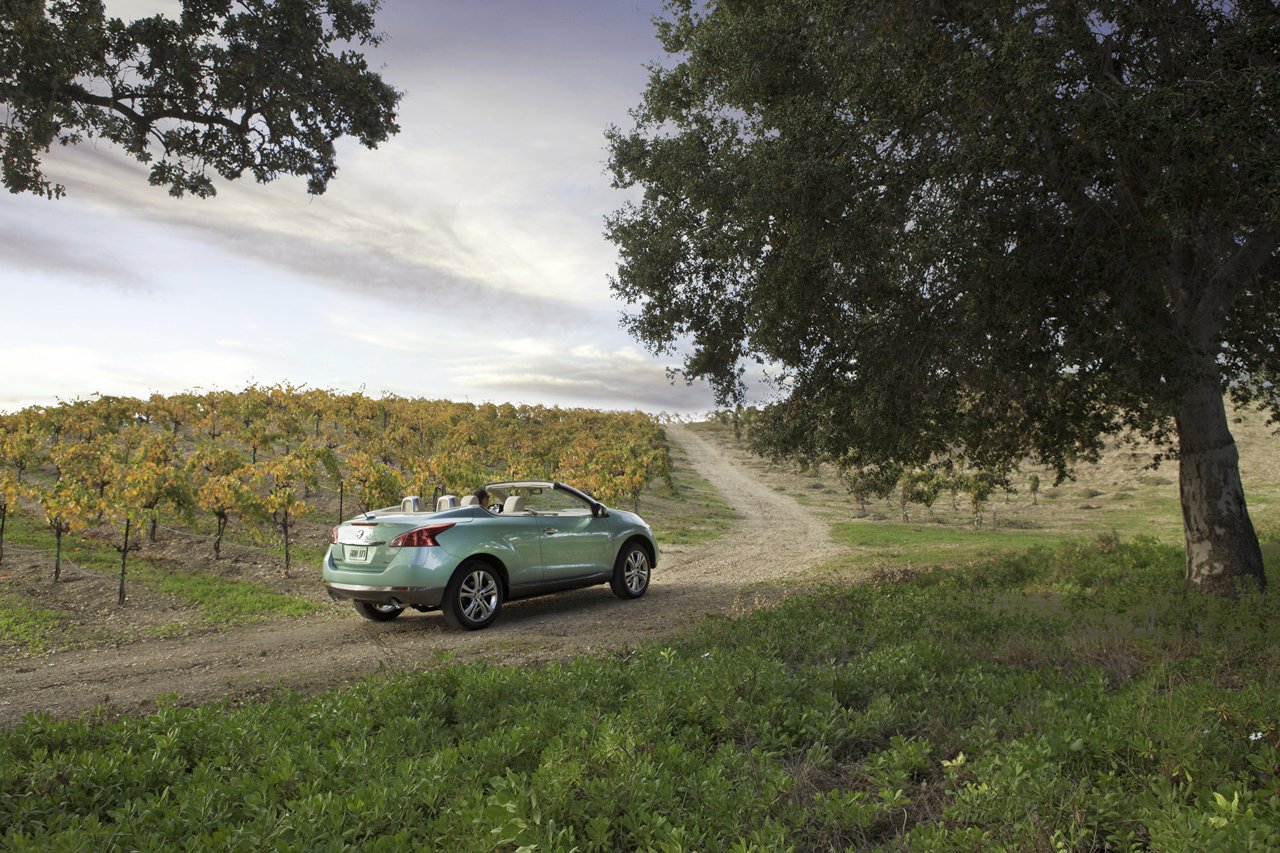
{"type": "Point", "coordinates": [356, 553]}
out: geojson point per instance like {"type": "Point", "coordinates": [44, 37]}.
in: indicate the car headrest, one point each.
{"type": "Point", "coordinates": [470, 500]}
{"type": "Point", "coordinates": [446, 502]}
{"type": "Point", "coordinates": [515, 503]}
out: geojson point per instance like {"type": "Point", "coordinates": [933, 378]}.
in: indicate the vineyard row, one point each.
{"type": "Point", "coordinates": [261, 456]}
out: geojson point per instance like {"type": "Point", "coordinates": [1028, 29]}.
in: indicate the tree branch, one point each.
{"type": "Point", "coordinates": [146, 120]}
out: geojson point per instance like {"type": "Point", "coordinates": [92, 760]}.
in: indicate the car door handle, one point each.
{"type": "Point", "coordinates": [551, 531]}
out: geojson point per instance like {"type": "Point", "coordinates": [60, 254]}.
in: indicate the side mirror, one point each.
{"type": "Point", "coordinates": [599, 511]}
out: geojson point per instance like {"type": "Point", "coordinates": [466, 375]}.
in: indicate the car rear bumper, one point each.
{"type": "Point", "coordinates": [416, 596]}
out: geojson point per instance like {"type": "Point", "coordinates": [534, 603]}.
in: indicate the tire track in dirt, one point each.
{"type": "Point", "coordinates": [773, 539]}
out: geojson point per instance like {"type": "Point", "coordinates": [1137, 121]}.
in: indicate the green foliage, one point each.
{"type": "Point", "coordinates": [919, 486]}
{"type": "Point", "coordinates": [1012, 192]}
{"type": "Point", "coordinates": [968, 232]}
{"type": "Point", "coordinates": [372, 483]}
{"type": "Point", "coordinates": [870, 481]}
{"type": "Point", "coordinates": [1072, 699]}
{"type": "Point", "coordinates": [28, 630]}
{"type": "Point", "coordinates": [264, 87]}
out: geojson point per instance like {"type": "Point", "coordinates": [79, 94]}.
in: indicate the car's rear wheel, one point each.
{"type": "Point", "coordinates": [473, 597]}
{"type": "Point", "coordinates": [377, 611]}
{"type": "Point", "coordinates": [631, 572]}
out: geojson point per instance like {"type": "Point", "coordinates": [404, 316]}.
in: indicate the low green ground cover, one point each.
{"type": "Point", "coordinates": [1069, 699]}
{"type": "Point", "coordinates": [220, 601]}
{"type": "Point", "coordinates": [930, 544]}
{"type": "Point", "coordinates": [26, 628]}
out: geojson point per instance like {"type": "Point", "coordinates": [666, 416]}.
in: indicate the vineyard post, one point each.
{"type": "Point", "coordinates": [285, 526]}
{"type": "Point", "coordinates": [124, 558]}
{"type": "Point", "coordinates": [217, 540]}
{"type": "Point", "coordinates": [60, 526]}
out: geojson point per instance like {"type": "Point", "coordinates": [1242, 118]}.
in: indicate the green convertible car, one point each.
{"type": "Point", "coordinates": [465, 557]}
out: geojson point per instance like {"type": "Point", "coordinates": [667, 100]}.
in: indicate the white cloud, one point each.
{"type": "Point", "coordinates": [81, 372]}
{"type": "Point", "coordinates": [591, 375]}
{"type": "Point", "coordinates": [528, 346]}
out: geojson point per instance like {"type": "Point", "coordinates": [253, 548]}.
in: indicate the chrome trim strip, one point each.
{"type": "Point", "coordinates": [416, 596]}
{"type": "Point", "coordinates": [353, 587]}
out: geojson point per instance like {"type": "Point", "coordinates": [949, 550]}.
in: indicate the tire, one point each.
{"type": "Point", "coordinates": [631, 572]}
{"type": "Point", "coordinates": [377, 611]}
{"type": "Point", "coordinates": [473, 597]}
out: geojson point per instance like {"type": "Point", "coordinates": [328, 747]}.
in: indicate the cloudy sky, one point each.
{"type": "Point", "coordinates": [463, 260]}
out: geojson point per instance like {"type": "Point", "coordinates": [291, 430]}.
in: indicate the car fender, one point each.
{"type": "Point", "coordinates": [628, 526]}
{"type": "Point", "coordinates": [484, 541]}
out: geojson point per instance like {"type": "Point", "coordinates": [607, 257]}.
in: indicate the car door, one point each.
{"type": "Point", "coordinates": [574, 544]}
{"type": "Point", "coordinates": [522, 535]}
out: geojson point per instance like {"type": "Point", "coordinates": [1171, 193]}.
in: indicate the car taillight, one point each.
{"type": "Point", "coordinates": [423, 537]}
{"type": "Point", "coordinates": [333, 536]}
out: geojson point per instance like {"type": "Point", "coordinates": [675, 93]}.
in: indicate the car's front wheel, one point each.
{"type": "Point", "coordinates": [377, 611]}
{"type": "Point", "coordinates": [473, 597]}
{"type": "Point", "coordinates": [631, 572]}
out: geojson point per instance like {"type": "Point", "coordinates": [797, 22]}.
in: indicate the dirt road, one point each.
{"type": "Point", "coordinates": [774, 538]}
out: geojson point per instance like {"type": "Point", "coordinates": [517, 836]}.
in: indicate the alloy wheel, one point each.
{"type": "Point", "coordinates": [636, 571]}
{"type": "Point", "coordinates": [478, 596]}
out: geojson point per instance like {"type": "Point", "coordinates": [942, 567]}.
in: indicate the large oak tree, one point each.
{"type": "Point", "coordinates": [987, 230]}
{"type": "Point", "coordinates": [257, 86]}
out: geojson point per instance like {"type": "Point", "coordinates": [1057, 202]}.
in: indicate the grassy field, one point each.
{"type": "Point", "coordinates": [1064, 699]}
{"type": "Point", "coordinates": [1120, 493]}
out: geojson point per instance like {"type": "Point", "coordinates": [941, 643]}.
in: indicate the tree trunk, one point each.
{"type": "Point", "coordinates": [285, 526]}
{"type": "Point", "coordinates": [57, 553]}
{"type": "Point", "coordinates": [217, 540]}
{"type": "Point", "coordinates": [151, 533]}
{"type": "Point", "coordinates": [4, 516]}
{"type": "Point", "coordinates": [341, 495]}
{"type": "Point", "coordinates": [1222, 547]}
{"type": "Point", "coordinates": [124, 558]}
